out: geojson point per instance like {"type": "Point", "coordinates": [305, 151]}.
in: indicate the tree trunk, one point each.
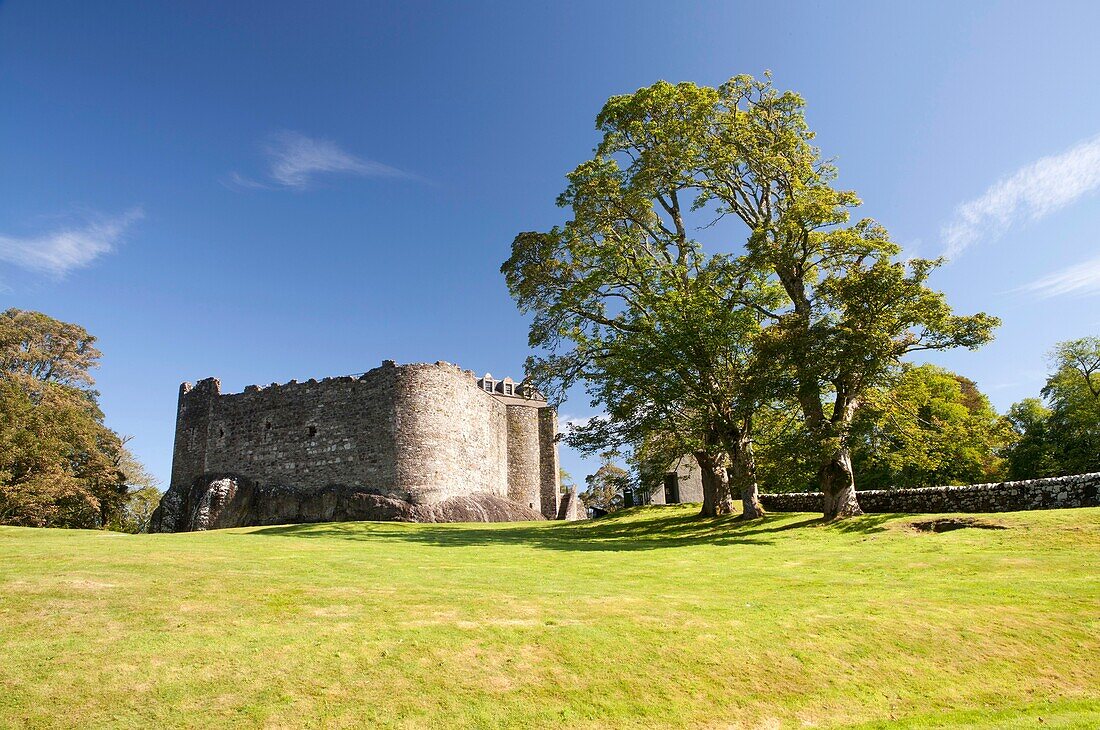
{"type": "Point", "coordinates": [716, 493]}
{"type": "Point", "coordinates": [838, 485]}
{"type": "Point", "coordinates": [744, 479]}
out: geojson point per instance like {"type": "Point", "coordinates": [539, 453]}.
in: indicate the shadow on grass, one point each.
{"type": "Point", "coordinates": [865, 525]}
{"type": "Point", "coordinates": [630, 530]}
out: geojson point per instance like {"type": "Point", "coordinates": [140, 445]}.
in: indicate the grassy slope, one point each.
{"type": "Point", "coordinates": [652, 618]}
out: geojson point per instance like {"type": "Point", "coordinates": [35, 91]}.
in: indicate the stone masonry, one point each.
{"type": "Point", "coordinates": [419, 442]}
{"type": "Point", "coordinates": [683, 482]}
{"type": "Point", "coordinates": [1081, 490]}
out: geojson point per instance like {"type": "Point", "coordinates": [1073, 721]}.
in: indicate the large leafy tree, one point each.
{"type": "Point", "coordinates": [848, 311]}
{"type": "Point", "coordinates": [626, 300]}
{"type": "Point", "coordinates": [46, 349]}
{"type": "Point", "coordinates": [700, 401]}
{"type": "Point", "coordinates": [645, 417]}
{"type": "Point", "coordinates": [59, 465]}
{"type": "Point", "coordinates": [851, 311]}
{"type": "Point", "coordinates": [57, 460]}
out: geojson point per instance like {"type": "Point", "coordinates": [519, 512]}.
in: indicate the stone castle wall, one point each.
{"type": "Point", "coordinates": [549, 465]}
{"type": "Point", "coordinates": [524, 468]}
{"type": "Point", "coordinates": [689, 482]}
{"type": "Point", "coordinates": [312, 434]}
{"type": "Point", "coordinates": [420, 433]}
{"type": "Point", "coordinates": [1081, 490]}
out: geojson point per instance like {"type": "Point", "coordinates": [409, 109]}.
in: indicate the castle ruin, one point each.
{"type": "Point", "coordinates": [419, 442]}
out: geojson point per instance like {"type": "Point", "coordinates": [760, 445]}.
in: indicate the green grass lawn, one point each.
{"type": "Point", "coordinates": [650, 618]}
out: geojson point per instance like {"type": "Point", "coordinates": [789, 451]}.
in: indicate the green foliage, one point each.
{"type": "Point", "coordinates": [136, 510]}
{"type": "Point", "coordinates": [57, 459]}
{"type": "Point", "coordinates": [800, 306]}
{"type": "Point", "coordinates": [1073, 392]}
{"type": "Point", "coordinates": [932, 427]}
{"type": "Point", "coordinates": [45, 349]}
{"type": "Point", "coordinates": [1034, 454]}
{"type": "Point", "coordinates": [787, 455]}
{"type": "Point", "coordinates": [59, 465]}
{"type": "Point", "coordinates": [142, 496]}
{"type": "Point", "coordinates": [1063, 438]}
{"type": "Point", "coordinates": [851, 311]}
{"type": "Point", "coordinates": [626, 301]}
{"type": "Point", "coordinates": [606, 486]}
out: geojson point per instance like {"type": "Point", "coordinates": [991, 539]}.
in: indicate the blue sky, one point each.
{"type": "Point", "coordinates": [264, 191]}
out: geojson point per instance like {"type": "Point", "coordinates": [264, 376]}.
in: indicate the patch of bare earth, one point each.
{"type": "Point", "coordinates": [947, 524]}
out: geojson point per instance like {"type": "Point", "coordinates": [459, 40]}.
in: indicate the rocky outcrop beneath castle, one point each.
{"type": "Point", "coordinates": [218, 501]}
{"type": "Point", "coordinates": [1079, 490]}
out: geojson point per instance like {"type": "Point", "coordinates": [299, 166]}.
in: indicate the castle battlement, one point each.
{"type": "Point", "coordinates": [521, 391]}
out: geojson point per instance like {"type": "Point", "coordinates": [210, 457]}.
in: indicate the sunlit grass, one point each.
{"type": "Point", "coordinates": [651, 618]}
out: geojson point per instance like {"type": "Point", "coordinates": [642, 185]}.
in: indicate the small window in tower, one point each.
{"type": "Point", "coordinates": [312, 431]}
{"type": "Point", "coordinates": [267, 425]}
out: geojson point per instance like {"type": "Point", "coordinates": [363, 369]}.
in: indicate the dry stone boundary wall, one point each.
{"type": "Point", "coordinates": [1080, 490]}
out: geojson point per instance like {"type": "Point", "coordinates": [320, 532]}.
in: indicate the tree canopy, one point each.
{"type": "Point", "coordinates": [932, 427]}
{"type": "Point", "coordinates": [796, 304]}
{"type": "Point", "coordinates": [606, 487]}
{"type": "Point", "coordinates": [1062, 436]}
{"type": "Point", "coordinates": [59, 465]}
{"type": "Point", "coordinates": [45, 349]}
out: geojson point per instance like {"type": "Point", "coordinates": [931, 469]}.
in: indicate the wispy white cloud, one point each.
{"type": "Point", "coordinates": [570, 422]}
{"type": "Point", "coordinates": [237, 180]}
{"type": "Point", "coordinates": [1031, 192]}
{"type": "Point", "coordinates": [295, 160]}
{"type": "Point", "coordinates": [1025, 377]}
{"type": "Point", "coordinates": [58, 252]}
{"type": "Point", "coordinates": [1081, 279]}
{"type": "Point", "coordinates": [913, 248]}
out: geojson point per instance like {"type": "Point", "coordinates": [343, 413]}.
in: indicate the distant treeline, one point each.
{"type": "Point", "coordinates": [933, 427]}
